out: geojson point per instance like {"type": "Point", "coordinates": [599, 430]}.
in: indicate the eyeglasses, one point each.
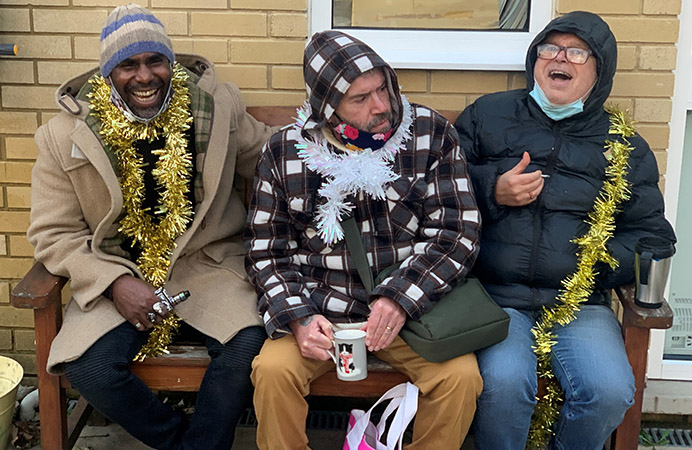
{"type": "Point", "coordinates": [574, 55]}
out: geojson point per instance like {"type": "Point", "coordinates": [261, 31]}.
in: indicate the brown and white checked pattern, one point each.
{"type": "Point", "coordinates": [331, 62]}
{"type": "Point", "coordinates": [429, 223]}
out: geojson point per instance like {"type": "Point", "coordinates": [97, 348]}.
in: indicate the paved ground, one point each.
{"type": "Point", "coordinates": [112, 437]}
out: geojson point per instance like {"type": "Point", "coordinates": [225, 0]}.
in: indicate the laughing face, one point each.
{"type": "Point", "coordinates": [142, 81]}
{"type": "Point", "coordinates": [562, 81]}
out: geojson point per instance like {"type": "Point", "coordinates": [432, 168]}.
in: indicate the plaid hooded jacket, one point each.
{"type": "Point", "coordinates": [428, 223]}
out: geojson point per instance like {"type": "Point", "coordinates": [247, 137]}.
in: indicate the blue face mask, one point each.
{"type": "Point", "coordinates": [555, 112]}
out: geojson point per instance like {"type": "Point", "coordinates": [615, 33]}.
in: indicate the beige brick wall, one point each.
{"type": "Point", "coordinates": [258, 44]}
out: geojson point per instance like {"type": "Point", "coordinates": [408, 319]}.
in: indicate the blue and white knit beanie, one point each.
{"type": "Point", "coordinates": [130, 30]}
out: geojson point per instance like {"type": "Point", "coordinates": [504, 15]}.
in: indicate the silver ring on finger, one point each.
{"type": "Point", "coordinates": [138, 325]}
{"type": "Point", "coordinates": [158, 308]}
{"type": "Point", "coordinates": [152, 317]}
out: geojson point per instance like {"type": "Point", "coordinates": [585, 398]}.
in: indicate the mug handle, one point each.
{"type": "Point", "coordinates": [644, 266]}
{"type": "Point", "coordinates": [333, 354]}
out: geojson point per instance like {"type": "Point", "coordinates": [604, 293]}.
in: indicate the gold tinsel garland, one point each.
{"type": "Point", "coordinates": [578, 286]}
{"type": "Point", "coordinates": [172, 173]}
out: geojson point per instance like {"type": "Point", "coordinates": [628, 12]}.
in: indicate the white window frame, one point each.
{"type": "Point", "coordinates": [659, 368]}
{"type": "Point", "coordinates": [444, 49]}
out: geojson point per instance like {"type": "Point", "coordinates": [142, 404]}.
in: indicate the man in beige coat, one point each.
{"type": "Point", "coordinates": [133, 190]}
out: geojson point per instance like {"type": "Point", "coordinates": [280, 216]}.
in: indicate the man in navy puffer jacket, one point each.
{"type": "Point", "coordinates": [537, 160]}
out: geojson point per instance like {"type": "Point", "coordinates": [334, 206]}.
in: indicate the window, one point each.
{"type": "Point", "coordinates": [439, 34]}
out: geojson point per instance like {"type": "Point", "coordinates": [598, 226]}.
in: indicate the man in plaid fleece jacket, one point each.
{"type": "Point", "coordinates": [358, 147]}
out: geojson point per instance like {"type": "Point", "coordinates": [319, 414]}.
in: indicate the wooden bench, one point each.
{"type": "Point", "coordinates": [184, 367]}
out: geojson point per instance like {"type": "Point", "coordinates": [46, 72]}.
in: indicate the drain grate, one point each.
{"type": "Point", "coordinates": [327, 420]}
{"type": "Point", "coordinates": [317, 420]}
{"type": "Point", "coordinates": [669, 437]}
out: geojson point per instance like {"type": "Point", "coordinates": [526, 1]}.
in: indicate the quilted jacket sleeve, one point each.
{"type": "Point", "coordinates": [643, 215]}
{"type": "Point", "coordinates": [483, 176]}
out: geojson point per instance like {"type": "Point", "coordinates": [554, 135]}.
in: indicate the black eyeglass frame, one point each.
{"type": "Point", "coordinates": [566, 49]}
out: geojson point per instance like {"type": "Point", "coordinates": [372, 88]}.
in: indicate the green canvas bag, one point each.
{"type": "Point", "coordinates": [463, 320]}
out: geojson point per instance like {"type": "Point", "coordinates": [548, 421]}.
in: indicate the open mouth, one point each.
{"type": "Point", "coordinates": [559, 75]}
{"type": "Point", "coordinates": [145, 96]}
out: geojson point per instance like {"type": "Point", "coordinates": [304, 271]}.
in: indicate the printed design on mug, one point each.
{"type": "Point", "coordinates": [346, 359]}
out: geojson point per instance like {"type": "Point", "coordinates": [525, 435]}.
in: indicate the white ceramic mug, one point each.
{"type": "Point", "coordinates": [350, 355]}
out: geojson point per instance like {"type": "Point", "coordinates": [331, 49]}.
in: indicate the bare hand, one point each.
{"type": "Point", "coordinates": [133, 298]}
{"type": "Point", "coordinates": [516, 188]}
{"type": "Point", "coordinates": [314, 336]}
{"type": "Point", "coordinates": [386, 319]}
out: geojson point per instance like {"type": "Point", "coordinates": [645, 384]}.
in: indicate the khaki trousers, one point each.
{"type": "Point", "coordinates": [447, 402]}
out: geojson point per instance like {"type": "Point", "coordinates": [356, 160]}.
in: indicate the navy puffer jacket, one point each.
{"type": "Point", "coordinates": [527, 251]}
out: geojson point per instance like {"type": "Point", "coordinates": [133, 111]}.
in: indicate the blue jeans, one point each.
{"type": "Point", "coordinates": [102, 376]}
{"type": "Point", "coordinates": [589, 362]}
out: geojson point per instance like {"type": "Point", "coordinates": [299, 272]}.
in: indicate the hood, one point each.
{"type": "Point", "coordinates": [595, 32]}
{"type": "Point", "coordinates": [71, 96]}
{"type": "Point", "coordinates": [332, 61]}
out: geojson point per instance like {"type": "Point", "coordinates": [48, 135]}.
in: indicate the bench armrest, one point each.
{"type": "Point", "coordinates": [38, 289]}
{"type": "Point", "coordinates": [636, 316]}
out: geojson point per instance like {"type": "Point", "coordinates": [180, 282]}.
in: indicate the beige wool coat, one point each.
{"type": "Point", "coordinates": [76, 200]}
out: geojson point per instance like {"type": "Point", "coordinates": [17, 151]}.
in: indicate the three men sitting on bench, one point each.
{"type": "Point", "coordinates": [133, 190]}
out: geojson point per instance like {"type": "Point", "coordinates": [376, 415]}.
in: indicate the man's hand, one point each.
{"type": "Point", "coordinates": [133, 298]}
{"type": "Point", "coordinates": [314, 336]}
{"type": "Point", "coordinates": [386, 319]}
{"type": "Point", "coordinates": [516, 188]}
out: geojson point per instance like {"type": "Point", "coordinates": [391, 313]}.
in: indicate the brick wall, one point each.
{"type": "Point", "coordinates": [258, 45]}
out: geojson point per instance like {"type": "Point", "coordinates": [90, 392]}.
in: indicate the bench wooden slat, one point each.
{"type": "Point", "coordinates": [37, 289]}
{"type": "Point", "coordinates": [77, 420]}
{"type": "Point", "coordinates": [376, 384]}
{"type": "Point", "coordinates": [183, 368]}
{"type": "Point", "coordinates": [183, 377]}
{"type": "Point", "coordinates": [637, 323]}
{"type": "Point", "coordinates": [197, 354]}
{"type": "Point", "coordinates": [635, 315]}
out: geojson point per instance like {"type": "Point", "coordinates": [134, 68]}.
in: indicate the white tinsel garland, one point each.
{"type": "Point", "coordinates": [349, 173]}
